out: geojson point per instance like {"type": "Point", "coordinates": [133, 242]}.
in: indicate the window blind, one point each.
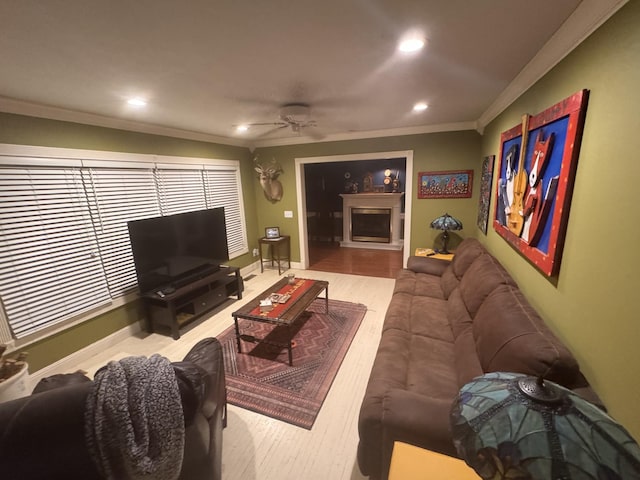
{"type": "Point", "coordinates": [49, 263]}
{"type": "Point", "coordinates": [180, 189]}
{"type": "Point", "coordinates": [64, 241]}
{"type": "Point", "coordinates": [116, 196]}
{"type": "Point", "coordinates": [222, 189]}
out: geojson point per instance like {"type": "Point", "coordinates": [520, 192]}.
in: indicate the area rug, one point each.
{"type": "Point", "coordinates": [260, 379]}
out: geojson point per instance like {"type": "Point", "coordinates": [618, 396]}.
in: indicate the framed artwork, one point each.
{"type": "Point", "coordinates": [537, 167]}
{"type": "Point", "coordinates": [485, 192]}
{"type": "Point", "coordinates": [272, 232]}
{"type": "Point", "coordinates": [447, 184]}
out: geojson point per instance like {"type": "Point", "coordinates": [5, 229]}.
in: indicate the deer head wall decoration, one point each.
{"type": "Point", "coordinates": [268, 175]}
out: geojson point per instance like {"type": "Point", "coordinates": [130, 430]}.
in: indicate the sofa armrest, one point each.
{"type": "Point", "coordinates": [203, 371]}
{"type": "Point", "coordinates": [418, 419]}
{"type": "Point", "coordinates": [432, 266]}
{"type": "Point", "coordinates": [210, 384]}
{"type": "Point", "coordinates": [401, 416]}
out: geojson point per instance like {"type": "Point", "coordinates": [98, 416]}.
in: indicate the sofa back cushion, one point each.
{"type": "Point", "coordinates": [466, 253]}
{"type": "Point", "coordinates": [480, 279]}
{"type": "Point", "coordinates": [466, 359]}
{"type": "Point", "coordinates": [448, 281]}
{"type": "Point", "coordinates": [459, 318]}
{"type": "Point", "coordinates": [511, 337]}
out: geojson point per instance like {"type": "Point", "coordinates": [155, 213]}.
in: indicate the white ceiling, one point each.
{"type": "Point", "coordinates": [207, 65]}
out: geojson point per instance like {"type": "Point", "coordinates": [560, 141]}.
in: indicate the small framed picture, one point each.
{"type": "Point", "coordinates": [272, 232]}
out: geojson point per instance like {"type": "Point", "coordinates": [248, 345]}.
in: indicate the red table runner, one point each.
{"type": "Point", "coordinates": [296, 290]}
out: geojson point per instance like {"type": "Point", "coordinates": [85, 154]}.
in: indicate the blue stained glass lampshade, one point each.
{"type": "Point", "coordinates": [512, 426]}
{"type": "Point", "coordinates": [446, 222]}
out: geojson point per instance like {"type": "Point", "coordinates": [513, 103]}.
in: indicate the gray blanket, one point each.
{"type": "Point", "coordinates": [134, 421]}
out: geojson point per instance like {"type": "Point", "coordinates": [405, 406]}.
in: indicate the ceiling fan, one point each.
{"type": "Point", "coordinates": [297, 117]}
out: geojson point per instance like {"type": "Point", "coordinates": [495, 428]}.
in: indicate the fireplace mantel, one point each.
{"type": "Point", "coordinates": [392, 201]}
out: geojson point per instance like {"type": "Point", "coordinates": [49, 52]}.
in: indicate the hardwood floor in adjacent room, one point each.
{"type": "Point", "coordinates": [331, 257]}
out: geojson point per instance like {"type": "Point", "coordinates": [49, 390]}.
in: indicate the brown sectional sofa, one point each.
{"type": "Point", "coordinates": [447, 323]}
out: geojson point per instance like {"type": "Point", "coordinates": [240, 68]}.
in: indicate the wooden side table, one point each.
{"type": "Point", "coordinates": [409, 462]}
{"type": "Point", "coordinates": [428, 252]}
{"type": "Point", "coordinates": [279, 252]}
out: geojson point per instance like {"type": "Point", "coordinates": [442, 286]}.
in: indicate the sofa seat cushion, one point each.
{"type": "Point", "coordinates": [414, 363]}
{"type": "Point", "coordinates": [418, 315]}
{"type": "Point", "coordinates": [511, 337]}
{"type": "Point", "coordinates": [414, 283]}
{"type": "Point", "coordinates": [431, 370]}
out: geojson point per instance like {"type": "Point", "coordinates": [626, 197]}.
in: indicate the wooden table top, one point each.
{"type": "Point", "coordinates": [294, 306]}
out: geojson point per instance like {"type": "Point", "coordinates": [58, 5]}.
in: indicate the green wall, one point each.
{"type": "Point", "coordinates": [434, 151]}
{"type": "Point", "coordinates": [23, 130]}
{"type": "Point", "coordinates": [590, 304]}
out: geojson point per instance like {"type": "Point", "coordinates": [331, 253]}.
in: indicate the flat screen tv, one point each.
{"type": "Point", "coordinates": [171, 251]}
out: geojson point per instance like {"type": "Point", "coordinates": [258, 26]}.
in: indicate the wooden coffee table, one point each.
{"type": "Point", "coordinates": [303, 293]}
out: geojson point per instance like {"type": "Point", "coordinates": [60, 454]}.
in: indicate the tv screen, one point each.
{"type": "Point", "coordinates": [170, 251]}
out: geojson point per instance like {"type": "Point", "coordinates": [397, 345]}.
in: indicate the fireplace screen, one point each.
{"type": "Point", "coordinates": [371, 225]}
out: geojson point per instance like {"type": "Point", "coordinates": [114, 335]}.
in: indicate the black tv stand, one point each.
{"type": "Point", "coordinates": [188, 301]}
{"type": "Point", "coordinates": [197, 274]}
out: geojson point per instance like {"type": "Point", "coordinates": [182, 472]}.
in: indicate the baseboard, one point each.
{"type": "Point", "coordinates": [70, 363]}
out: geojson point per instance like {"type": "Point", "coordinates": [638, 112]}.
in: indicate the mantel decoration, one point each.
{"type": "Point", "coordinates": [445, 223]}
{"type": "Point", "coordinates": [537, 167]}
{"type": "Point", "coordinates": [446, 184]}
{"type": "Point", "coordinates": [268, 174]}
{"type": "Point", "coordinates": [512, 426]}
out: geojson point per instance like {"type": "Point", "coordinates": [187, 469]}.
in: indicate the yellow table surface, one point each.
{"type": "Point", "coordinates": [423, 252]}
{"type": "Point", "coordinates": [409, 462]}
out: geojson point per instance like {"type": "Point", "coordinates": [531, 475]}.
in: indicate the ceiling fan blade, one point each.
{"type": "Point", "coordinates": [271, 130]}
{"type": "Point", "coordinates": [262, 124]}
{"type": "Point", "coordinates": [313, 131]}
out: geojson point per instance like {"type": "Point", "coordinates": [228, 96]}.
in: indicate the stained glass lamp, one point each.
{"type": "Point", "coordinates": [445, 223]}
{"type": "Point", "coordinates": [513, 426]}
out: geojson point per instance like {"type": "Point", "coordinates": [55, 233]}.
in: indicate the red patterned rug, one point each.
{"type": "Point", "coordinates": [260, 379]}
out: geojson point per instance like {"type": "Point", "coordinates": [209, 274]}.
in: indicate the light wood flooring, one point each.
{"type": "Point", "coordinates": [258, 447]}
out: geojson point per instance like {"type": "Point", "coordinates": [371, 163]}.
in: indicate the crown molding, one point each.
{"type": "Point", "coordinates": [391, 132]}
{"type": "Point", "coordinates": [19, 107]}
{"type": "Point", "coordinates": [585, 19]}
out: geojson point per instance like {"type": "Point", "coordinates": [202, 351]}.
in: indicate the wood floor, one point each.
{"type": "Point", "coordinates": [256, 447]}
{"type": "Point", "coordinates": [330, 257]}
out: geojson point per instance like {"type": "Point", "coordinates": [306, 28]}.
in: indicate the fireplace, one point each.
{"type": "Point", "coordinates": [371, 225]}
{"type": "Point", "coordinates": [371, 220]}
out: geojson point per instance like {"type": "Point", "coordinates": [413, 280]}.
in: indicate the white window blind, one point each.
{"type": "Point", "coordinates": [64, 241]}
{"type": "Point", "coordinates": [116, 196]}
{"type": "Point", "coordinates": [180, 189]}
{"type": "Point", "coordinates": [222, 188]}
{"type": "Point", "coordinates": [49, 264]}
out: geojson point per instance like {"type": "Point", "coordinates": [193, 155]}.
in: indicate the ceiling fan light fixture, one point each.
{"type": "Point", "coordinates": [412, 42]}
{"type": "Point", "coordinates": [137, 102]}
{"type": "Point", "coordinates": [296, 112]}
{"type": "Point", "coordinates": [420, 107]}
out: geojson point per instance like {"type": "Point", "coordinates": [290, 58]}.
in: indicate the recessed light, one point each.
{"type": "Point", "coordinates": [242, 128]}
{"type": "Point", "coordinates": [420, 107]}
{"type": "Point", "coordinates": [137, 102]}
{"type": "Point", "coordinates": [411, 44]}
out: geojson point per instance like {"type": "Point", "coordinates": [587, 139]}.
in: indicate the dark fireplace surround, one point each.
{"type": "Point", "coordinates": [371, 225]}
